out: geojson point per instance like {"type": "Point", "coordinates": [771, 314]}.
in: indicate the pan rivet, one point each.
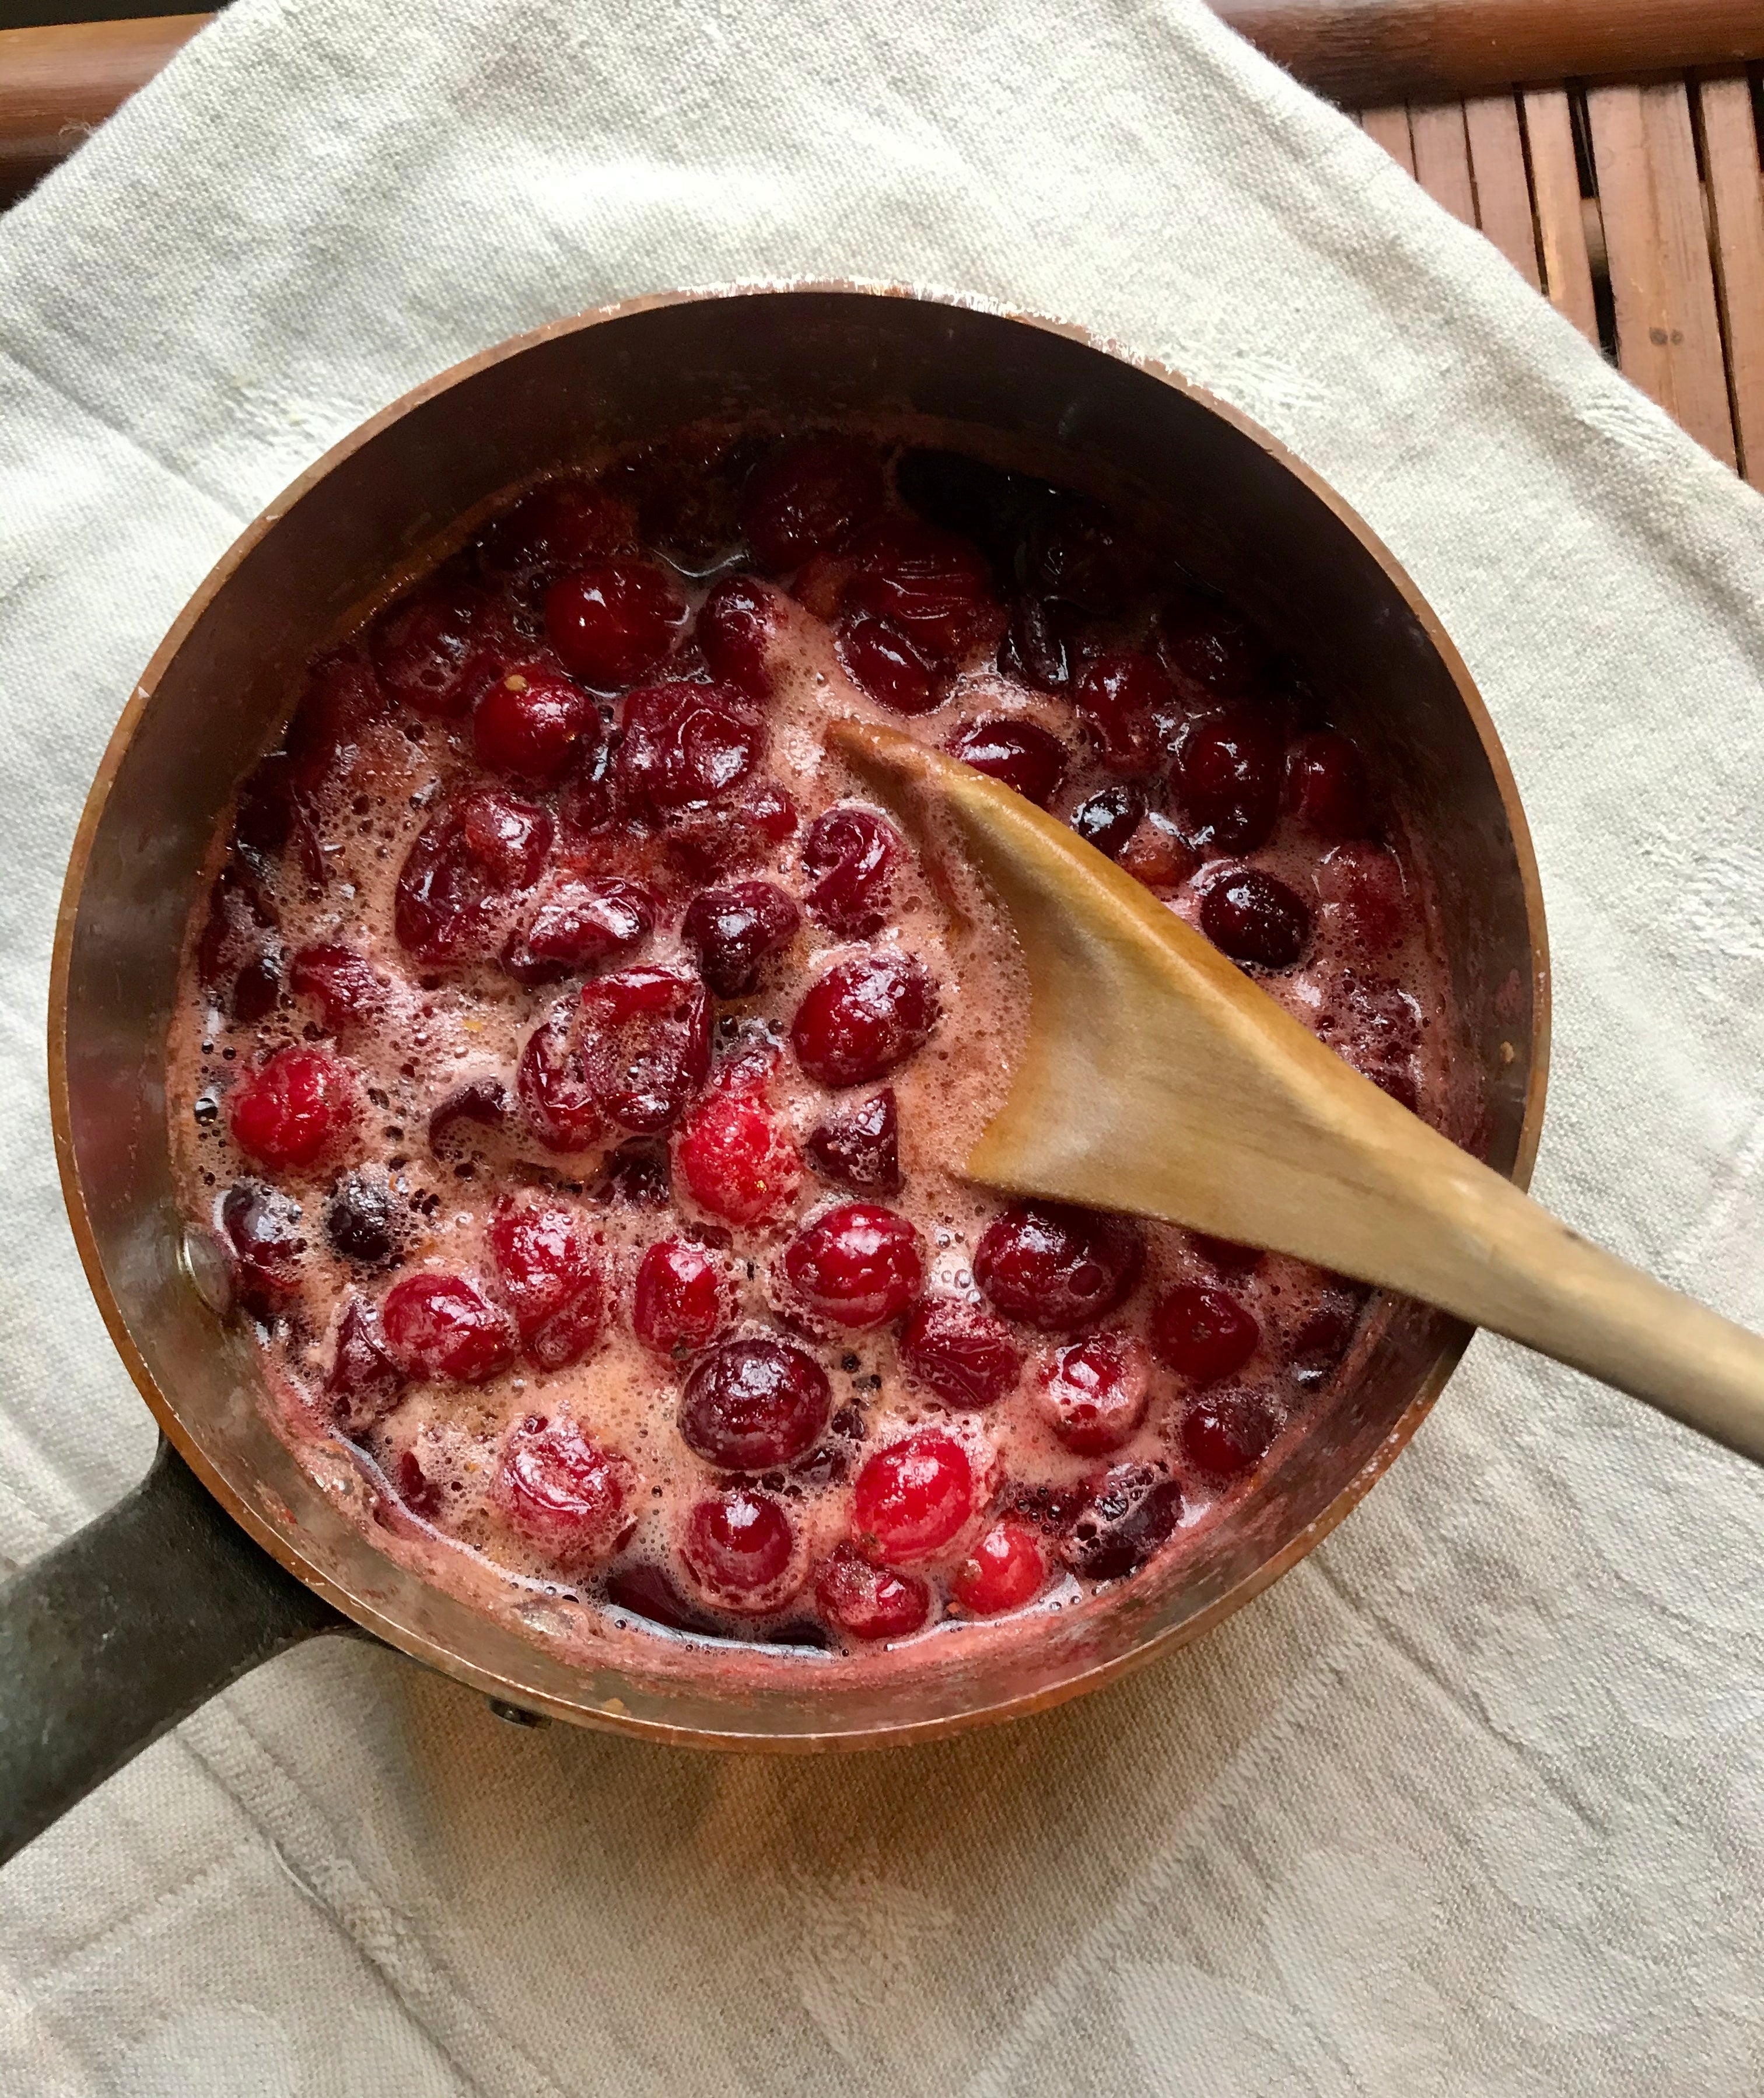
{"type": "Point", "coordinates": [517, 1715]}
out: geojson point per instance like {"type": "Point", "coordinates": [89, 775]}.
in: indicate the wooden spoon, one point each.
{"type": "Point", "coordinates": [1157, 1077]}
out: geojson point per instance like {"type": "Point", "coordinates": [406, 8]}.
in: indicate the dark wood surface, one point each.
{"type": "Point", "coordinates": [58, 85]}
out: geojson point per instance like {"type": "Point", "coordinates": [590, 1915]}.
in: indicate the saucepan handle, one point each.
{"type": "Point", "coordinates": [115, 1636]}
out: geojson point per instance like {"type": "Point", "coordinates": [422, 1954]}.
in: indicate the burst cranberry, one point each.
{"type": "Point", "coordinates": [295, 1111]}
{"type": "Point", "coordinates": [441, 1326]}
{"type": "Point", "coordinates": [867, 1602]}
{"type": "Point", "coordinates": [1326, 788]}
{"type": "Point", "coordinates": [739, 1162]}
{"type": "Point", "coordinates": [685, 745]}
{"type": "Point", "coordinates": [421, 1494]}
{"type": "Point", "coordinates": [1363, 894]}
{"type": "Point", "coordinates": [1228, 775]}
{"type": "Point", "coordinates": [959, 1351]}
{"type": "Point", "coordinates": [347, 989]}
{"type": "Point", "coordinates": [1253, 916]}
{"type": "Point", "coordinates": [1026, 757]}
{"type": "Point", "coordinates": [735, 929]}
{"type": "Point", "coordinates": [484, 1101]}
{"type": "Point", "coordinates": [1132, 1511]}
{"type": "Point", "coordinates": [342, 698]}
{"type": "Point", "coordinates": [884, 664]}
{"type": "Point", "coordinates": [533, 724]}
{"type": "Point", "coordinates": [1119, 697]}
{"type": "Point", "coordinates": [1203, 1334]}
{"type": "Point", "coordinates": [1094, 1393]}
{"type": "Point", "coordinates": [1007, 1570]}
{"type": "Point", "coordinates": [708, 843]}
{"type": "Point", "coordinates": [555, 1085]}
{"type": "Point", "coordinates": [1225, 1435]}
{"type": "Point", "coordinates": [850, 854]}
{"type": "Point", "coordinates": [439, 648]}
{"type": "Point", "coordinates": [1324, 1338]}
{"type": "Point", "coordinates": [633, 1050]}
{"type": "Point", "coordinates": [911, 1498]}
{"type": "Point", "coordinates": [562, 525]}
{"type": "Point", "coordinates": [929, 586]}
{"type": "Point", "coordinates": [1077, 550]}
{"type": "Point", "coordinates": [820, 583]}
{"type": "Point", "coordinates": [1108, 819]}
{"type": "Point", "coordinates": [239, 915]}
{"type": "Point", "coordinates": [613, 622]}
{"type": "Point", "coordinates": [741, 1550]}
{"type": "Point", "coordinates": [1210, 652]}
{"type": "Point", "coordinates": [807, 496]}
{"type": "Point", "coordinates": [684, 1297]}
{"type": "Point", "coordinates": [750, 1405]}
{"type": "Point", "coordinates": [263, 1228]}
{"type": "Point", "coordinates": [1038, 647]}
{"type": "Point", "coordinates": [1056, 1266]}
{"type": "Point", "coordinates": [509, 839]}
{"type": "Point", "coordinates": [255, 990]}
{"type": "Point", "coordinates": [364, 1383]}
{"type": "Point", "coordinates": [477, 851]}
{"type": "Point", "coordinates": [645, 1592]}
{"type": "Point", "coordinates": [362, 1221]}
{"type": "Point", "coordinates": [580, 919]}
{"type": "Point", "coordinates": [863, 1019]}
{"type": "Point", "coordinates": [858, 1265]}
{"type": "Point", "coordinates": [577, 1501]}
{"type": "Point", "coordinates": [859, 1148]}
{"type": "Point", "coordinates": [1157, 855]}
{"type": "Point", "coordinates": [550, 1275]}
{"type": "Point", "coordinates": [737, 625]}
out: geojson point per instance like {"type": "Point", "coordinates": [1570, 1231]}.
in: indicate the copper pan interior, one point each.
{"type": "Point", "coordinates": [1238, 509]}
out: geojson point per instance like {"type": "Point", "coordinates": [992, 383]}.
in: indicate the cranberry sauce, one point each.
{"type": "Point", "coordinates": [574, 1069]}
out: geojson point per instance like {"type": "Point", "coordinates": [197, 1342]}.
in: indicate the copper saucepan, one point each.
{"type": "Point", "coordinates": [174, 1594]}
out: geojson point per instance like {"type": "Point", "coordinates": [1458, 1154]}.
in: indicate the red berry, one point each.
{"type": "Point", "coordinates": [558, 1098]}
{"type": "Point", "coordinates": [867, 1602]}
{"type": "Point", "coordinates": [707, 843]}
{"type": "Point", "coordinates": [737, 625]}
{"type": "Point", "coordinates": [1325, 1336]}
{"type": "Point", "coordinates": [347, 989]}
{"type": "Point", "coordinates": [1326, 788]}
{"type": "Point", "coordinates": [549, 1274]}
{"type": "Point", "coordinates": [741, 1550]}
{"type": "Point", "coordinates": [1121, 698]}
{"type": "Point", "coordinates": [362, 1220]}
{"type": "Point", "coordinates": [1023, 754]}
{"type": "Point", "coordinates": [1210, 652]}
{"type": "Point", "coordinates": [850, 853]}
{"type": "Point", "coordinates": [342, 698]}
{"type": "Point", "coordinates": [1227, 773]}
{"type": "Point", "coordinates": [645, 1592]}
{"type": "Point", "coordinates": [533, 724]}
{"type": "Point", "coordinates": [911, 1498]}
{"type": "Point", "coordinates": [1157, 855]}
{"type": "Point", "coordinates": [364, 1383]}
{"type": "Point", "coordinates": [263, 1229]}
{"type": "Point", "coordinates": [614, 622]}
{"type": "Point", "coordinates": [296, 1110]}
{"type": "Point", "coordinates": [484, 1101]}
{"type": "Point", "coordinates": [735, 929]}
{"type": "Point", "coordinates": [1253, 916]}
{"type": "Point", "coordinates": [738, 1162]}
{"type": "Point", "coordinates": [881, 661]}
{"type": "Point", "coordinates": [1203, 1334]}
{"type": "Point", "coordinates": [856, 1265]}
{"type": "Point", "coordinates": [633, 1050]}
{"type": "Point", "coordinates": [960, 1351]}
{"type": "Point", "coordinates": [1225, 1434]}
{"type": "Point", "coordinates": [1005, 1570]}
{"type": "Point", "coordinates": [752, 1405]}
{"type": "Point", "coordinates": [685, 745]}
{"type": "Point", "coordinates": [1056, 1266]}
{"type": "Point", "coordinates": [1132, 1511]}
{"type": "Point", "coordinates": [929, 586]}
{"type": "Point", "coordinates": [809, 495]}
{"type": "Point", "coordinates": [1078, 551]}
{"type": "Point", "coordinates": [561, 525]}
{"type": "Point", "coordinates": [580, 919]}
{"type": "Point", "coordinates": [863, 1018]}
{"type": "Point", "coordinates": [1109, 818]}
{"type": "Point", "coordinates": [1038, 648]}
{"type": "Point", "coordinates": [859, 1147]}
{"type": "Point", "coordinates": [239, 915]}
{"type": "Point", "coordinates": [438, 649]}
{"type": "Point", "coordinates": [577, 1501]}
{"type": "Point", "coordinates": [1093, 1392]}
{"type": "Point", "coordinates": [684, 1297]}
{"type": "Point", "coordinates": [441, 1327]}
{"type": "Point", "coordinates": [1364, 896]}
{"type": "Point", "coordinates": [477, 851]}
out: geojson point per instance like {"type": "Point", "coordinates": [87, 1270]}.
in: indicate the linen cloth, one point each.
{"type": "Point", "coordinates": [1471, 1801]}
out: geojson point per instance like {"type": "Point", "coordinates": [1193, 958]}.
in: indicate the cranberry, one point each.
{"type": "Point", "coordinates": [1005, 1571]}
{"type": "Point", "coordinates": [364, 1383]}
{"type": "Point", "coordinates": [809, 495]}
{"type": "Point", "coordinates": [1056, 1266]}
{"type": "Point", "coordinates": [911, 1498]}
{"type": "Point", "coordinates": [533, 724]}
{"type": "Point", "coordinates": [1095, 1392]}
{"type": "Point", "coordinates": [929, 586]}
{"type": "Point", "coordinates": [549, 1273]}
{"type": "Point", "coordinates": [752, 1405]}
{"type": "Point", "coordinates": [342, 699]}
{"type": "Point", "coordinates": [270, 807]}
{"type": "Point", "coordinates": [646, 1593]}
{"type": "Point", "coordinates": [1026, 757]}
{"type": "Point", "coordinates": [1132, 1511]}
{"type": "Point", "coordinates": [1326, 788]}
{"type": "Point", "coordinates": [577, 1501]}
{"type": "Point", "coordinates": [1364, 896]}
{"type": "Point", "coordinates": [859, 1148]}
{"type": "Point", "coordinates": [613, 622]}
{"type": "Point", "coordinates": [735, 929]}
{"type": "Point", "coordinates": [347, 989]}
{"type": "Point", "coordinates": [867, 1602]}
{"type": "Point", "coordinates": [239, 915]}
{"type": "Point", "coordinates": [1157, 855]}
{"type": "Point", "coordinates": [685, 494]}
{"type": "Point", "coordinates": [1077, 551]}
{"type": "Point", "coordinates": [883, 663]}
{"type": "Point", "coordinates": [1225, 1434]}
{"type": "Point", "coordinates": [295, 1111]}
{"type": "Point", "coordinates": [1228, 775]}
{"type": "Point", "coordinates": [1324, 1337]}
{"type": "Point", "coordinates": [1210, 652]}
{"type": "Point", "coordinates": [864, 1018]}
{"type": "Point", "coordinates": [1253, 916]}
{"type": "Point", "coordinates": [1036, 647]}
{"type": "Point", "coordinates": [959, 1351]}
{"type": "Point", "coordinates": [1372, 1014]}
{"type": "Point", "coordinates": [856, 1265]}
{"type": "Point", "coordinates": [557, 1097]}
{"type": "Point", "coordinates": [737, 625]}
{"type": "Point", "coordinates": [262, 1227]}
{"type": "Point", "coordinates": [562, 525]}
{"type": "Point", "coordinates": [256, 989]}
{"type": "Point", "coordinates": [850, 854]}
{"type": "Point", "coordinates": [479, 849]}
{"type": "Point", "coordinates": [420, 1495]}
{"type": "Point", "coordinates": [739, 1549]}
{"type": "Point", "coordinates": [441, 1326]}
{"type": "Point", "coordinates": [706, 844]}
{"type": "Point", "coordinates": [684, 1297]}
{"type": "Point", "coordinates": [1203, 1334]}
{"type": "Point", "coordinates": [637, 1176]}
{"type": "Point", "coordinates": [438, 649]}
{"type": "Point", "coordinates": [633, 1050]}
{"type": "Point", "coordinates": [1225, 1256]}
{"type": "Point", "coordinates": [484, 1101]}
{"type": "Point", "coordinates": [361, 1220]}
{"type": "Point", "coordinates": [685, 745]}
{"type": "Point", "coordinates": [737, 1161]}
{"type": "Point", "coordinates": [1120, 698]}
{"type": "Point", "coordinates": [1108, 819]}
{"type": "Point", "coordinates": [580, 919]}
